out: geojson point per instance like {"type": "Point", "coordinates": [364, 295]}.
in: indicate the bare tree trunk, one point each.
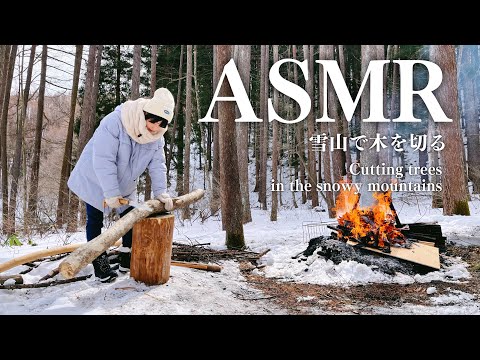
{"type": "Point", "coordinates": [33, 194]}
{"type": "Point", "coordinates": [229, 180]}
{"type": "Point", "coordinates": [263, 145]}
{"type": "Point", "coordinates": [324, 129]}
{"type": "Point", "coordinates": [17, 160]}
{"type": "Point", "coordinates": [3, 139]}
{"type": "Point", "coordinates": [275, 155]}
{"type": "Point", "coordinates": [454, 187]}
{"type": "Point", "coordinates": [338, 160]}
{"type": "Point", "coordinates": [188, 126]}
{"type": "Point", "coordinates": [394, 101]}
{"type": "Point", "coordinates": [4, 57]}
{"type": "Point", "coordinates": [177, 110]}
{"type": "Point", "coordinates": [4, 54]}
{"type": "Point", "coordinates": [259, 130]}
{"type": "Point", "coordinates": [63, 193]}
{"type": "Point", "coordinates": [470, 60]}
{"type": "Point", "coordinates": [93, 112]}
{"type": "Point", "coordinates": [256, 150]}
{"type": "Point", "coordinates": [300, 135]}
{"type": "Point", "coordinates": [312, 163]}
{"type": "Point", "coordinates": [243, 57]}
{"type": "Point", "coordinates": [368, 157]}
{"type": "Point", "coordinates": [153, 87]}
{"type": "Point", "coordinates": [215, 198]}
{"type": "Point", "coordinates": [118, 98]}
{"type": "Point", "coordinates": [86, 128]}
{"type": "Point", "coordinates": [137, 63]}
{"type": "Point", "coordinates": [433, 155]}
{"type": "Point", "coordinates": [203, 127]}
{"type": "Point", "coordinates": [345, 124]}
{"type": "Point", "coordinates": [383, 128]}
{"type": "Point", "coordinates": [136, 66]}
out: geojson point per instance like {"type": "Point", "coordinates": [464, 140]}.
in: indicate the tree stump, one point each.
{"type": "Point", "coordinates": [152, 249]}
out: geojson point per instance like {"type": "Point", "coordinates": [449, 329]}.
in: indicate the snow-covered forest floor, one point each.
{"type": "Point", "coordinates": [282, 286]}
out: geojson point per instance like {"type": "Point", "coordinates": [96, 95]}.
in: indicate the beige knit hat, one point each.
{"type": "Point", "coordinates": [162, 104]}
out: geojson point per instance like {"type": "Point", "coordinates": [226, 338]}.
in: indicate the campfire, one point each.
{"type": "Point", "coordinates": [374, 226]}
{"type": "Point", "coordinates": [377, 230]}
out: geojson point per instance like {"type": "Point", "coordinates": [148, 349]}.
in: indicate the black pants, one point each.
{"type": "Point", "coordinates": [95, 224]}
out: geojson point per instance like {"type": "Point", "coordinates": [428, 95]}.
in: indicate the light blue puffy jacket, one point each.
{"type": "Point", "coordinates": [112, 161]}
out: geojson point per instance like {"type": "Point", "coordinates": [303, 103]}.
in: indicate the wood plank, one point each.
{"type": "Point", "coordinates": [428, 243]}
{"type": "Point", "coordinates": [418, 254]}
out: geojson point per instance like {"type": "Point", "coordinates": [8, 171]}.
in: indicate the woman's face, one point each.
{"type": "Point", "coordinates": [154, 128]}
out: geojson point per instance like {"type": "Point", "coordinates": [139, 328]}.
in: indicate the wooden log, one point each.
{"type": "Point", "coordinates": [152, 249]}
{"type": "Point", "coordinates": [86, 253]}
{"type": "Point", "coordinates": [17, 278]}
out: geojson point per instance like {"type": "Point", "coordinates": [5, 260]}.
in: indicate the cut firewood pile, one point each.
{"type": "Point", "coordinates": [197, 252]}
{"type": "Point", "coordinates": [362, 234]}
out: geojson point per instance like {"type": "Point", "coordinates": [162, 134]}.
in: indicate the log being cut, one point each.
{"type": "Point", "coordinates": [86, 253]}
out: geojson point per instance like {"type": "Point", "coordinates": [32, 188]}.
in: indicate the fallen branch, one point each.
{"type": "Point", "coordinates": [41, 254]}
{"type": "Point", "coordinates": [51, 274]}
{"type": "Point", "coordinates": [193, 265]}
{"type": "Point", "coordinates": [35, 256]}
{"type": "Point", "coordinates": [86, 253]}
{"type": "Point", "coordinates": [44, 284]}
{"type": "Point", "coordinates": [17, 278]}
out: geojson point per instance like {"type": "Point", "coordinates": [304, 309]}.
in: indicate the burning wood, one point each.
{"type": "Point", "coordinates": [374, 226]}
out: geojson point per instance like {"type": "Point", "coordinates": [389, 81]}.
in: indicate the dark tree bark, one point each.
{"type": "Point", "coordinates": [215, 198]}
{"type": "Point", "coordinates": [63, 193]}
{"type": "Point", "coordinates": [188, 128]}
{"type": "Point", "coordinates": [33, 193]}
{"type": "Point", "coordinates": [118, 98]}
{"type": "Point", "coordinates": [153, 87]}
{"type": "Point", "coordinates": [312, 162]}
{"type": "Point", "coordinates": [137, 64]}
{"type": "Point", "coordinates": [346, 156]}
{"type": "Point", "coordinates": [229, 181]}
{"type": "Point", "coordinates": [86, 128]}
{"type": "Point", "coordinates": [469, 76]}
{"type": "Point", "coordinates": [336, 128]}
{"type": "Point", "coordinates": [17, 160]}
{"type": "Point", "coordinates": [242, 58]}
{"type": "Point", "coordinates": [275, 152]}
{"type": "Point", "coordinates": [300, 135]}
{"type": "Point", "coordinates": [9, 66]}
{"type": "Point", "coordinates": [173, 133]}
{"type": "Point", "coordinates": [368, 157]}
{"type": "Point", "coordinates": [325, 129]}
{"type": "Point", "coordinates": [455, 201]}
{"type": "Point", "coordinates": [263, 141]}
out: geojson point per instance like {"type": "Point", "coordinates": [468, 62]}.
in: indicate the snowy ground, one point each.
{"type": "Point", "coordinates": [192, 291]}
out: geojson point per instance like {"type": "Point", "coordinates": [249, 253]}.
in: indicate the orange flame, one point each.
{"type": "Point", "coordinates": [372, 226]}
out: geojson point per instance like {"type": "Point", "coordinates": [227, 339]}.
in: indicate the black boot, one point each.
{"type": "Point", "coordinates": [103, 271]}
{"type": "Point", "coordinates": [124, 255]}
